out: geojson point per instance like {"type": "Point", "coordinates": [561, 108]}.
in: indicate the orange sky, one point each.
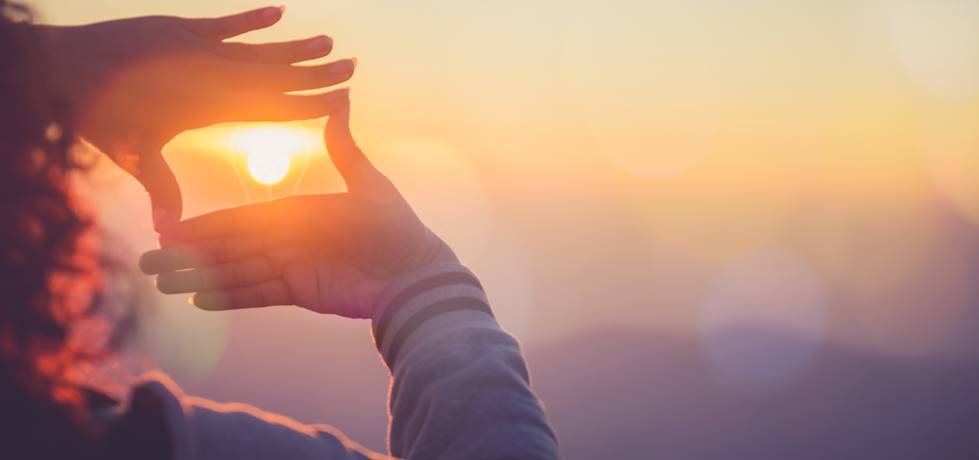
{"type": "Point", "coordinates": [620, 163]}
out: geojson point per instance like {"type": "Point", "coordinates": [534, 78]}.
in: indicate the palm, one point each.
{"type": "Point", "coordinates": [327, 287]}
{"type": "Point", "coordinates": [354, 252]}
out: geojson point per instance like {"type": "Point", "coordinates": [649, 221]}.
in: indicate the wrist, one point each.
{"type": "Point", "coordinates": [437, 251]}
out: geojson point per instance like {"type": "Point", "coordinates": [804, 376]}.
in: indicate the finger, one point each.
{"type": "Point", "coordinates": [235, 24]}
{"type": "Point", "coordinates": [264, 106]}
{"type": "Point", "coordinates": [283, 78]}
{"type": "Point", "coordinates": [223, 276]}
{"type": "Point", "coordinates": [182, 256]}
{"type": "Point", "coordinates": [356, 170]}
{"type": "Point", "coordinates": [159, 181]}
{"type": "Point", "coordinates": [282, 218]}
{"type": "Point", "coordinates": [283, 52]}
{"type": "Point", "coordinates": [265, 294]}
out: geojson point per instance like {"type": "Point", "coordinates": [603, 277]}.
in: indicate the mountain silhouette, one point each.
{"type": "Point", "coordinates": [618, 393]}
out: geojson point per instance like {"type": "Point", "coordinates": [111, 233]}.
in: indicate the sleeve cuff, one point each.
{"type": "Point", "coordinates": [419, 296]}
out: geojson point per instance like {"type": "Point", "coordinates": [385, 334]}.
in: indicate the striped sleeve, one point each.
{"type": "Point", "coordinates": [425, 294]}
{"type": "Point", "coordinates": [460, 386]}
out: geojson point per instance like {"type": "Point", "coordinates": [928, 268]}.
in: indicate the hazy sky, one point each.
{"type": "Point", "coordinates": [561, 146]}
{"type": "Point", "coordinates": [678, 167]}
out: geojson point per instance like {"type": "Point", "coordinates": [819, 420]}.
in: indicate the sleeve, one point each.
{"type": "Point", "coordinates": [243, 432]}
{"type": "Point", "coordinates": [460, 389]}
{"type": "Point", "coordinates": [198, 428]}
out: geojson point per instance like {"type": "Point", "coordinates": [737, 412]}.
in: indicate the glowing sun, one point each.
{"type": "Point", "coordinates": [269, 150]}
{"type": "Point", "coordinates": [268, 167]}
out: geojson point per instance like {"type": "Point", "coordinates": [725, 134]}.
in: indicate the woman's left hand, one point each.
{"type": "Point", "coordinates": [136, 83]}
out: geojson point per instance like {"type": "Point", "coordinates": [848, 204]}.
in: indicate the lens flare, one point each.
{"type": "Point", "coordinates": [763, 319]}
{"type": "Point", "coordinates": [937, 43]}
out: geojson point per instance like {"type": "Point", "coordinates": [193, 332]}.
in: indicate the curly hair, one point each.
{"type": "Point", "coordinates": [49, 265]}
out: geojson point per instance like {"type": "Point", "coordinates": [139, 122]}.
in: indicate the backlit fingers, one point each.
{"type": "Point", "coordinates": [181, 256]}
{"type": "Point", "coordinates": [240, 273]}
{"type": "Point", "coordinates": [281, 52]}
{"type": "Point", "coordinates": [285, 78]}
{"type": "Point", "coordinates": [229, 26]}
{"type": "Point", "coordinates": [269, 293]}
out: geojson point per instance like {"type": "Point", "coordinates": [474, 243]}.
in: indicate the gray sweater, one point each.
{"type": "Point", "coordinates": [460, 389]}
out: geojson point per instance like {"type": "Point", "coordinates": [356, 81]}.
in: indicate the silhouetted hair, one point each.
{"type": "Point", "coordinates": [49, 271]}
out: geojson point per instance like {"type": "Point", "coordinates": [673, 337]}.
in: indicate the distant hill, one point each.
{"type": "Point", "coordinates": [617, 394]}
{"type": "Point", "coordinates": [633, 394]}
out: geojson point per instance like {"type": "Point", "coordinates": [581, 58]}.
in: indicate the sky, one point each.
{"type": "Point", "coordinates": [687, 170]}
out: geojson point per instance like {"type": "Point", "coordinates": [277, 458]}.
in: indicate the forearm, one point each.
{"type": "Point", "coordinates": [461, 387]}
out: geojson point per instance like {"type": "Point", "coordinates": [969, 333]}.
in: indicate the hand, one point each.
{"type": "Point", "coordinates": [139, 82]}
{"type": "Point", "coordinates": [327, 253]}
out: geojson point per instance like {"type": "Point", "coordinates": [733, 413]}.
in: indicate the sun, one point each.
{"type": "Point", "coordinates": [269, 150]}
{"type": "Point", "coordinates": [268, 167]}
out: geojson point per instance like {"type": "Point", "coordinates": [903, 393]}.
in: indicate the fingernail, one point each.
{"type": "Point", "coordinates": [274, 12]}
{"type": "Point", "coordinates": [351, 64]}
{"type": "Point", "coordinates": [343, 67]}
{"type": "Point", "coordinates": [319, 43]}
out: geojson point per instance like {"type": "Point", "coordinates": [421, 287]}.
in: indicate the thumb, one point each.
{"type": "Point", "coordinates": [161, 184]}
{"type": "Point", "coordinates": [356, 170]}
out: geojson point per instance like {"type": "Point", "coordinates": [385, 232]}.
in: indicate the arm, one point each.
{"type": "Point", "coordinates": [460, 386]}
{"type": "Point", "coordinates": [196, 428]}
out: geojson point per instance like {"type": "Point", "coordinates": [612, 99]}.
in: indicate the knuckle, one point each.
{"type": "Point", "coordinates": [169, 36]}
{"type": "Point", "coordinates": [255, 270]}
{"type": "Point", "coordinates": [221, 251]}
{"type": "Point", "coordinates": [234, 275]}
{"type": "Point", "coordinates": [224, 27]}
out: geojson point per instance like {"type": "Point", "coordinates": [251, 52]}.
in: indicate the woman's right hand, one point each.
{"type": "Point", "coordinates": [330, 253]}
